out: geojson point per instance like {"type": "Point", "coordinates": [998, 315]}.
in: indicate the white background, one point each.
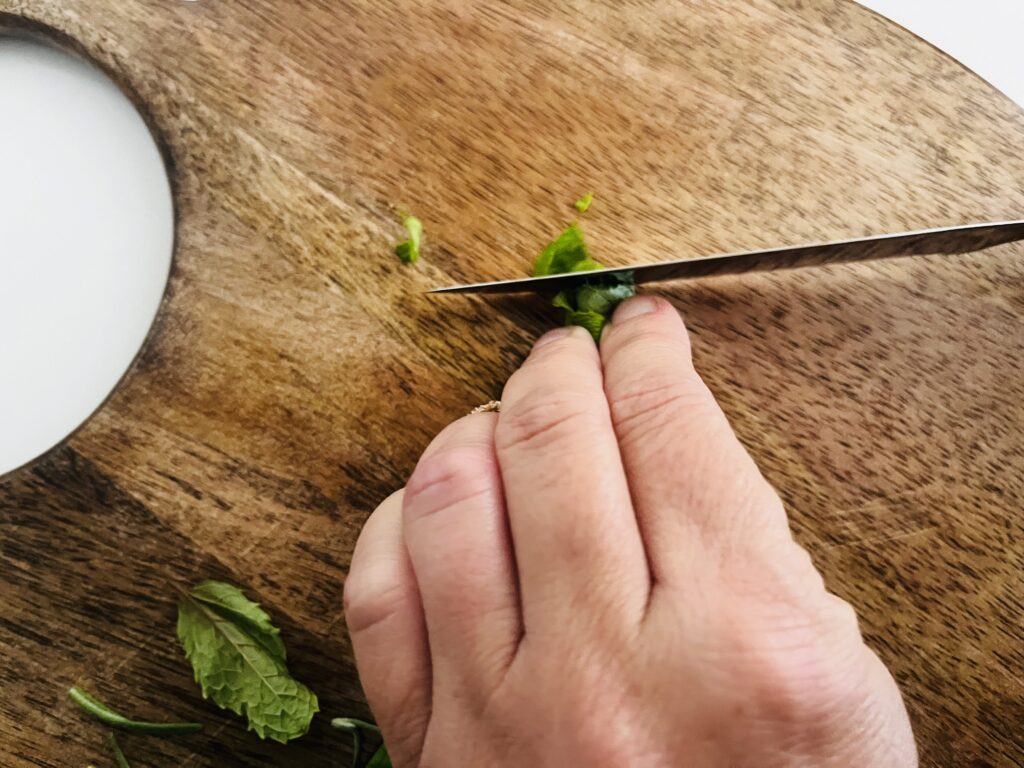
{"type": "Point", "coordinates": [86, 229]}
{"type": "Point", "coordinates": [986, 35]}
{"type": "Point", "coordinates": [86, 217]}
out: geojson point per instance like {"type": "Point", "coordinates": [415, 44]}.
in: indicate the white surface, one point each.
{"type": "Point", "coordinates": [86, 237]}
{"type": "Point", "coordinates": [983, 34]}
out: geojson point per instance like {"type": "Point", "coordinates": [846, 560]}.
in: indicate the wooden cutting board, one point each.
{"type": "Point", "coordinates": [297, 369]}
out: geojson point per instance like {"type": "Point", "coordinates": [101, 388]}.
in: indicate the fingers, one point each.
{"type": "Point", "coordinates": [458, 539]}
{"type": "Point", "coordinates": [574, 532]}
{"type": "Point", "coordinates": [385, 621]}
{"type": "Point", "coordinates": [692, 481]}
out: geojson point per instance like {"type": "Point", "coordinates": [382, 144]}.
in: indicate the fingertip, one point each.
{"type": "Point", "coordinates": [555, 334]}
{"type": "Point", "coordinates": [638, 306]}
{"type": "Point", "coordinates": [560, 340]}
{"type": "Point", "coordinates": [384, 615]}
{"type": "Point", "coordinates": [645, 319]}
{"type": "Point", "coordinates": [378, 564]}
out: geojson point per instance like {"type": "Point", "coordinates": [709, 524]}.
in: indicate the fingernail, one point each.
{"type": "Point", "coordinates": [550, 336]}
{"type": "Point", "coordinates": [638, 305]}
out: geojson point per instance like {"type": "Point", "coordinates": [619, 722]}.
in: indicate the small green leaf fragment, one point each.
{"type": "Point", "coordinates": [592, 321]}
{"type": "Point", "coordinates": [602, 299]}
{"type": "Point", "coordinates": [561, 301]}
{"type": "Point", "coordinates": [380, 759]}
{"type": "Point", "coordinates": [562, 254]}
{"type": "Point", "coordinates": [409, 250]}
{"type": "Point", "coordinates": [587, 265]}
{"type": "Point", "coordinates": [119, 758]}
{"type": "Point", "coordinates": [584, 202]}
{"type": "Point", "coordinates": [238, 663]}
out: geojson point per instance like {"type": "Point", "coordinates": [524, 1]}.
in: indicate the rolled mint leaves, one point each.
{"type": "Point", "coordinates": [591, 303]}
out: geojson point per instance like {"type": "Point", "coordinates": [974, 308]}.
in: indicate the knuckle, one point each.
{"type": "Point", "coordinates": [369, 605]}
{"type": "Point", "coordinates": [781, 574]}
{"type": "Point", "coordinates": [649, 338]}
{"type": "Point", "coordinates": [795, 667]}
{"type": "Point", "coordinates": [645, 403]}
{"type": "Point", "coordinates": [447, 478]}
{"type": "Point", "coordinates": [544, 418]}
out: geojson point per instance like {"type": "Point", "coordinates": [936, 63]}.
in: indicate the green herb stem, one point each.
{"type": "Point", "coordinates": [103, 713]}
{"type": "Point", "coordinates": [353, 724]}
{"type": "Point", "coordinates": [355, 727]}
{"type": "Point", "coordinates": [119, 758]}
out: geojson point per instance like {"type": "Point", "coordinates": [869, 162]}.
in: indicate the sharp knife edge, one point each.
{"type": "Point", "coordinates": [945, 240]}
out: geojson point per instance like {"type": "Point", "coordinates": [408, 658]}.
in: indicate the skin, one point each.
{"type": "Point", "coordinates": [600, 576]}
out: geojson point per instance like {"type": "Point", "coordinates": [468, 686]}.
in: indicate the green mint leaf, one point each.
{"type": "Point", "coordinates": [592, 321]}
{"type": "Point", "coordinates": [229, 601]}
{"type": "Point", "coordinates": [119, 758]}
{"type": "Point", "coordinates": [238, 667]}
{"type": "Point", "coordinates": [102, 712]}
{"type": "Point", "coordinates": [562, 254]}
{"type": "Point", "coordinates": [380, 759]}
{"type": "Point", "coordinates": [592, 302]}
{"type": "Point", "coordinates": [584, 202]}
{"type": "Point", "coordinates": [603, 299]}
{"type": "Point", "coordinates": [562, 301]}
{"type": "Point", "coordinates": [587, 265]}
{"type": "Point", "coordinates": [409, 250]}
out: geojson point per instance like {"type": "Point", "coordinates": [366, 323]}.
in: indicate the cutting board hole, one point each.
{"type": "Point", "coordinates": [86, 243]}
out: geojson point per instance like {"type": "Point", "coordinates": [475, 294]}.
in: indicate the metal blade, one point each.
{"type": "Point", "coordinates": [947, 240]}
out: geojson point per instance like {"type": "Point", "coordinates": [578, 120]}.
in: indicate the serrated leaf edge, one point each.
{"type": "Point", "coordinates": [241, 709]}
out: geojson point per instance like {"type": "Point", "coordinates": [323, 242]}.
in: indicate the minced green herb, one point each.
{"type": "Point", "coordinates": [409, 250]}
{"type": "Point", "coordinates": [591, 303]}
{"type": "Point", "coordinates": [584, 202]}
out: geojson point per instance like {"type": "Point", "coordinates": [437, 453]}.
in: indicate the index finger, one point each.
{"type": "Point", "coordinates": [573, 529]}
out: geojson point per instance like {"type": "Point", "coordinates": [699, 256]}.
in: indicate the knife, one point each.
{"type": "Point", "coordinates": [946, 241]}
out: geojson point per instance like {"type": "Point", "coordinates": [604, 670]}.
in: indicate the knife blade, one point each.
{"type": "Point", "coordinates": [943, 241]}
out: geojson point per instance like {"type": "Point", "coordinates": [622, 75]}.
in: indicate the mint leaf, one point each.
{"type": "Point", "coordinates": [409, 250]}
{"type": "Point", "coordinates": [229, 602]}
{"type": "Point", "coordinates": [380, 759]}
{"type": "Point", "coordinates": [584, 202]}
{"type": "Point", "coordinates": [563, 254]}
{"type": "Point", "coordinates": [238, 661]}
{"type": "Point", "coordinates": [591, 303]}
{"type": "Point", "coordinates": [592, 321]}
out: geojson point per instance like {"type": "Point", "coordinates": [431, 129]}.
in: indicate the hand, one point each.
{"type": "Point", "coordinates": [600, 576]}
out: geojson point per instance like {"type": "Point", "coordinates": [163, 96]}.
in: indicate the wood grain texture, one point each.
{"type": "Point", "coordinates": [296, 368]}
